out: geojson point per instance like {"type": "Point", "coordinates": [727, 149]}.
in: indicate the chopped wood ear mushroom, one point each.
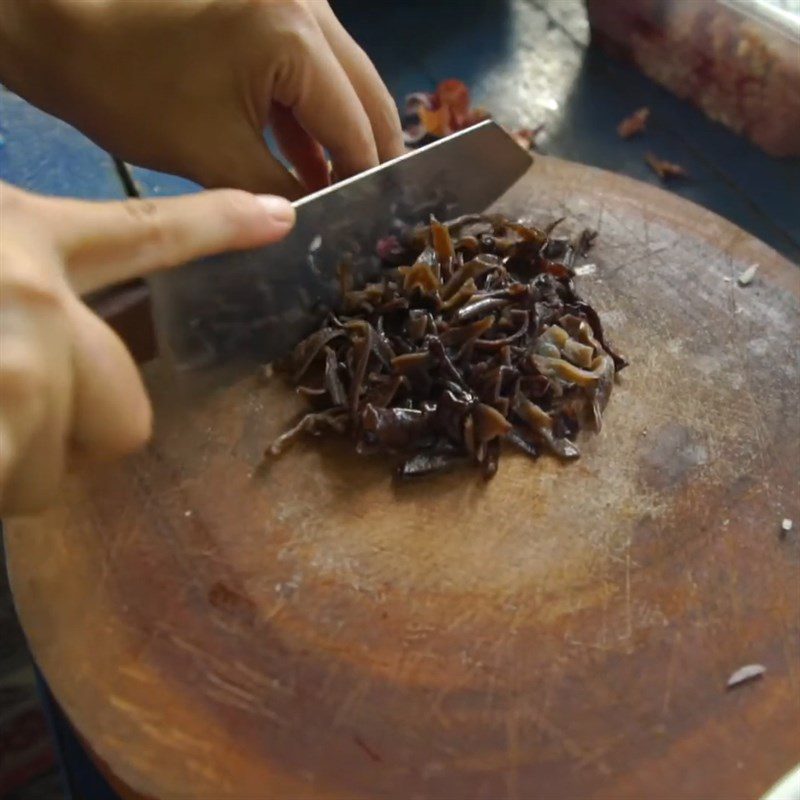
{"type": "Point", "coordinates": [474, 335]}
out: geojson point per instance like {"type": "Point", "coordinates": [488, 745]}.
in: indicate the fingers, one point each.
{"type": "Point", "coordinates": [366, 81]}
{"type": "Point", "coordinates": [68, 383]}
{"type": "Point", "coordinates": [315, 86]}
{"type": "Point", "coordinates": [306, 155]}
{"type": "Point", "coordinates": [23, 380]}
{"type": "Point", "coordinates": [111, 410]}
{"type": "Point", "coordinates": [106, 243]}
{"type": "Point", "coordinates": [35, 386]}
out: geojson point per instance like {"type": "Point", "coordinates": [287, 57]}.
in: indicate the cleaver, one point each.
{"type": "Point", "coordinates": [255, 305]}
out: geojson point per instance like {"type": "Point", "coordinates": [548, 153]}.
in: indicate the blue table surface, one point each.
{"type": "Point", "coordinates": [528, 62]}
{"type": "Point", "coordinates": [41, 153]}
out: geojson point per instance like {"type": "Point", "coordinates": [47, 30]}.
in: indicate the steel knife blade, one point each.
{"type": "Point", "coordinates": [259, 303]}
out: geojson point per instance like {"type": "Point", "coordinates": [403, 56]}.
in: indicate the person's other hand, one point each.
{"type": "Point", "coordinates": [68, 386]}
{"type": "Point", "coordinates": [188, 86]}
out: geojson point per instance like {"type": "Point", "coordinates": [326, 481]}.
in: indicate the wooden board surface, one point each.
{"type": "Point", "coordinates": [216, 629]}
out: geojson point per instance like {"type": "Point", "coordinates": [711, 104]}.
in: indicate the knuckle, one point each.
{"type": "Point", "coordinates": [234, 205]}
{"type": "Point", "coordinates": [31, 289]}
{"type": "Point", "coordinates": [155, 236]}
{"type": "Point", "coordinates": [27, 275]}
{"type": "Point", "coordinates": [27, 280]}
{"type": "Point", "coordinates": [294, 26]}
{"type": "Point", "coordinates": [296, 10]}
{"type": "Point", "coordinates": [138, 430]}
{"type": "Point", "coordinates": [141, 211]}
{"type": "Point", "coordinates": [13, 201]}
{"type": "Point", "coordinates": [23, 374]}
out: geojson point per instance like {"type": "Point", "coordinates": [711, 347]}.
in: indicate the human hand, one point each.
{"type": "Point", "coordinates": [188, 87]}
{"type": "Point", "coordinates": [68, 386]}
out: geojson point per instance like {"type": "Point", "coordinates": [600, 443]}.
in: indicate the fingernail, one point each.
{"type": "Point", "coordinates": [279, 208]}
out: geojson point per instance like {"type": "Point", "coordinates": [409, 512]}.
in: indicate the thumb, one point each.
{"type": "Point", "coordinates": [107, 243]}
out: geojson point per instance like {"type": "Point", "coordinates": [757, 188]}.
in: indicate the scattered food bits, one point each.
{"type": "Point", "coordinates": [526, 137]}
{"type": "Point", "coordinates": [746, 278]}
{"type": "Point", "coordinates": [634, 124]}
{"type": "Point", "coordinates": [786, 527]}
{"type": "Point", "coordinates": [428, 116]}
{"type": "Point", "coordinates": [665, 169]}
{"type": "Point", "coordinates": [750, 672]}
{"type": "Point", "coordinates": [431, 115]}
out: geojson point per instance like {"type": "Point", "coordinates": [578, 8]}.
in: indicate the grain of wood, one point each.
{"type": "Point", "coordinates": [564, 625]}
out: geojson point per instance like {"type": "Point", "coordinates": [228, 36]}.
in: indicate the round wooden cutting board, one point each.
{"type": "Point", "coordinates": [217, 629]}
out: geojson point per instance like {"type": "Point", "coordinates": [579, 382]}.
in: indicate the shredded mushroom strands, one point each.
{"type": "Point", "coordinates": [475, 335]}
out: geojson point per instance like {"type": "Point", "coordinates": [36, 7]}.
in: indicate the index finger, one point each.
{"type": "Point", "coordinates": [107, 243]}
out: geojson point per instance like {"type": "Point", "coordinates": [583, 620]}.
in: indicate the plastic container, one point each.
{"type": "Point", "coordinates": [738, 60]}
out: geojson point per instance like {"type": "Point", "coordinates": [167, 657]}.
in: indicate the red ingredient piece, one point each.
{"type": "Point", "coordinates": [634, 124]}
{"type": "Point", "coordinates": [665, 169]}
{"type": "Point", "coordinates": [387, 247]}
{"type": "Point", "coordinates": [447, 110]}
{"type": "Point", "coordinates": [453, 95]}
